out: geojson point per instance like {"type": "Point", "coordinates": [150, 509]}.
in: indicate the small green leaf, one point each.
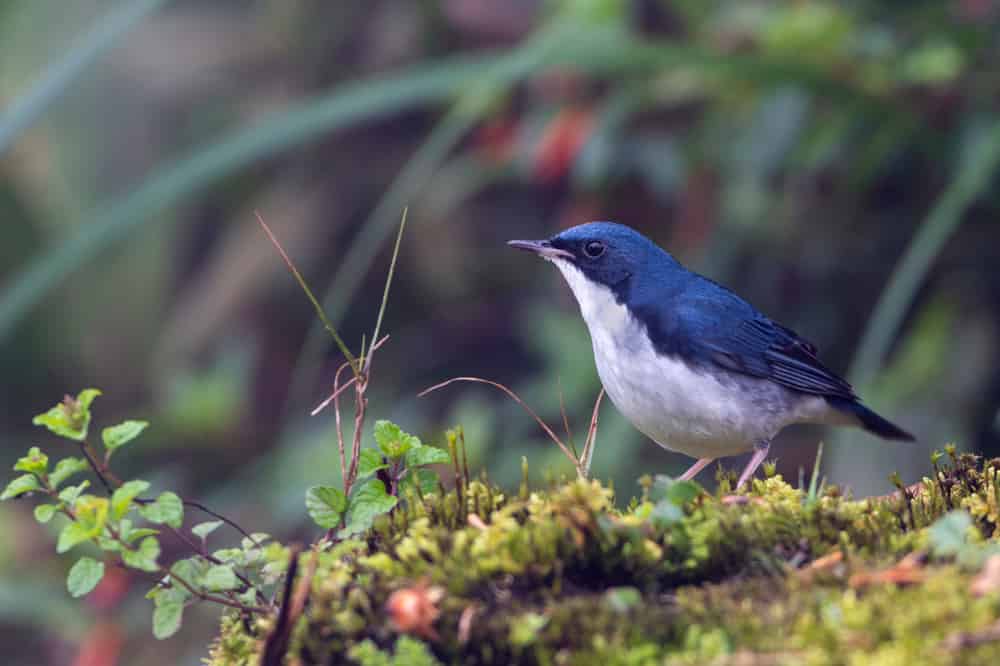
{"type": "Point", "coordinates": [117, 436]}
{"type": "Point", "coordinates": [369, 501]}
{"type": "Point", "coordinates": [84, 576]}
{"type": "Point", "coordinates": [167, 616]}
{"type": "Point", "coordinates": [66, 468]}
{"type": "Point", "coordinates": [666, 513]}
{"type": "Point", "coordinates": [392, 441]}
{"type": "Point", "coordinates": [326, 505]}
{"type": "Point", "coordinates": [35, 462]}
{"type": "Point", "coordinates": [73, 534]}
{"type": "Point", "coordinates": [129, 535]}
{"type": "Point", "coordinates": [144, 557]}
{"type": "Point", "coordinates": [232, 555]}
{"type": "Point", "coordinates": [71, 417]}
{"type": "Point", "coordinates": [121, 499]}
{"type": "Point", "coordinates": [22, 484]}
{"type": "Point", "coordinates": [949, 533]}
{"type": "Point", "coordinates": [674, 491]}
{"type": "Point", "coordinates": [220, 578]}
{"type": "Point", "coordinates": [426, 479]}
{"type": "Point", "coordinates": [426, 455]}
{"type": "Point", "coordinates": [167, 509]}
{"type": "Point", "coordinates": [202, 530]}
{"type": "Point", "coordinates": [70, 493]}
{"type": "Point", "coordinates": [370, 462]}
{"type": "Point", "coordinates": [45, 512]}
{"type": "Point", "coordinates": [91, 517]}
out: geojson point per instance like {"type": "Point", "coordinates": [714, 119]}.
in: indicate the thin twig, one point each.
{"type": "Point", "coordinates": [588, 446]}
{"type": "Point", "coordinates": [219, 516]}
{"type": "Point", "coordinates": [562, 411]}
{"type": "Point", "coordinates": [102, 472]}
{"type": "Point", "coordinates": [513, 396]}
{"type": "Point", "coordinates": [323, 405]}
{"type": "Point", "coordinates": [312, 298]}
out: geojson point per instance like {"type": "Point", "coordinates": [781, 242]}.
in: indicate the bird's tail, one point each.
{"type": "Point", "coordinates": [871, 421]}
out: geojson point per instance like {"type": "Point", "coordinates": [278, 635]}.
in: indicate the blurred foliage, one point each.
{"type": "Point", "coordinates": [798, 151]}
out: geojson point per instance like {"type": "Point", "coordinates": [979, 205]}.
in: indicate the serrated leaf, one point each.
{"type": "Point", "coordinates": [35, 462]}
{"type": "Point", "coordinates": [167, 509]}
{"type": "Point", "coordinates": [369, 462]}
{"type": "Point", "coordinates": [66, 468]}
{"type": "Point", "coordinates": [71, 417]}
{"type": "Point", "coordinates": [426, 455]}
{"type": "Point", "coordinates": [117, 436]}
{"type": "Point", "coordinates": [326, 505]}
{"type": "Point", "coordinates": [426, 479]}
{"type": "Point", "coordinates": [219, 578]}
{"type": "Point", "coordinates": [22, 484]}
{"type": "Point", "coordinates": [70, 494]}
{"type": "Point", "coordinates": [202, 530]}
{"type": "Point", "coordinates": [167, 617]}
{"type": "Point", "coordinates": [144, 557]}
{"type": "Point", "coordinates": [45, 512]}
{"type": "Point", "coordinates": [121, 499]}
{"type": "Point", "coordinates": [91, 515]}
{"type": "Point", "coordinates": [368, 502]}
{"type": "Point", "coordinates": [84, 576]}
{"type": "Point", "coordinates": [392, 440]}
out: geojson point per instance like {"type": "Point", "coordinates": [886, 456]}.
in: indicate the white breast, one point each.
{"type": "Point", "coordinates": [680, 407]}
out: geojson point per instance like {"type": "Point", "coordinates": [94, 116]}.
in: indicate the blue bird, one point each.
{"type": "Point", "coordinates": [689, 363]}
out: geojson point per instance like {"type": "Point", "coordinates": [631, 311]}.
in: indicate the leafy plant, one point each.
{"type": "Point", "coordinates": [398, 464]}
{"type": "Point", "coordinates": [125, 527]}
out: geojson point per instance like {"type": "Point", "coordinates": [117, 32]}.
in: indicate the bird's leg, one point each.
{"type": "Point", "coordinates": [699, 465]}
{"type": "Point", "coordinates": [760, 450]}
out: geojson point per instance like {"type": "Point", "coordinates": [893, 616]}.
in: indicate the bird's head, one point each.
{"type": "Point", "coordinates": [604, 253]}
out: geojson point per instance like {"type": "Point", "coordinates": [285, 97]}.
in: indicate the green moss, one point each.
{"type": "Point", "coordinates": [564, 577]}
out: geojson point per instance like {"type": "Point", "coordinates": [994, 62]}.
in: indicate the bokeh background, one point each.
{"type": "Point", "coordinates": [834, 162]}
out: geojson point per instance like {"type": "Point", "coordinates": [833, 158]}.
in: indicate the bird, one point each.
{"type": "Point", "coordinates": [688, 362]}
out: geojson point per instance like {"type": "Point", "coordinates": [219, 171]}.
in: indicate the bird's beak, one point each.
{"type": "Point", "coordinates": [542, 248]}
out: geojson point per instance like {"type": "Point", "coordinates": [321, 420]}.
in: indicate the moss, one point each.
{"type": "Point", "coordinates": [562, 576]}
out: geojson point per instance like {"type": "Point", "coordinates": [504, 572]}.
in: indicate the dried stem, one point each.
{"type": "Point", "coordinates": [588, 446]}
{"type": "Point", "coordinates": [513, 396]}
{"type": "Point", "coordinates": [355, 366]}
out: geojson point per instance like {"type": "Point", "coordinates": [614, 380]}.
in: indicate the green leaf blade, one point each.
{"type": "Point", "coordinates": [167, 509]}
{"type": "Point", "coordinates": [66, 468]}
{"type": "Point", "coordinates": [426, 455]}
{"type": "Point", "coordinates": [121, 499]}
{"type": "Point", "coordinates": [326, 505]}
{"type": "Point", "coordinates": [368, 502]}
{"type": "Point", "coordinates": [84, 576]}
{"type": "Point", "coordinates": [35, 462]}
{"type": "Point", "coordinates": [117, 436]}
{"type": "Point", "coordinates": [19, 486]}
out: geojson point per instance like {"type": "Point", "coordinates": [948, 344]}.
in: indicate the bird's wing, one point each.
{"type": "Point", "coordinates": [713, 324]}
{"type": "Point", "coordinates": [763, 348]}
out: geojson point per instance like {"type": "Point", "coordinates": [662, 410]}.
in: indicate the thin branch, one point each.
{"type": "Point", "coordinates": [323, 405]}
{"type": "Point", "coordinates": [102, 472]}
{"type": "Point", "coordinates": [312, 298]}
{"type": "Point", "coordinates": [562, 411]}
{"type": "Point", "coordinates": [513, 396]}
{"type": "Point", "coordinates": [588, 445]}
{"type": "Point", "coordinates": [219, 516]}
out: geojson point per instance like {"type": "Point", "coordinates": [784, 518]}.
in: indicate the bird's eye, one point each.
{"type": "Point", "coordinates": [593, 249]}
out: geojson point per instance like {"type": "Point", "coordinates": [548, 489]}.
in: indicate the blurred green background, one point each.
{"type": "Point", "coordinates": [834, 162]}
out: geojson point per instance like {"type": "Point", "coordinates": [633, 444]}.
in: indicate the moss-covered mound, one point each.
{"type": "Point", "coordinates": [780, 576]}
